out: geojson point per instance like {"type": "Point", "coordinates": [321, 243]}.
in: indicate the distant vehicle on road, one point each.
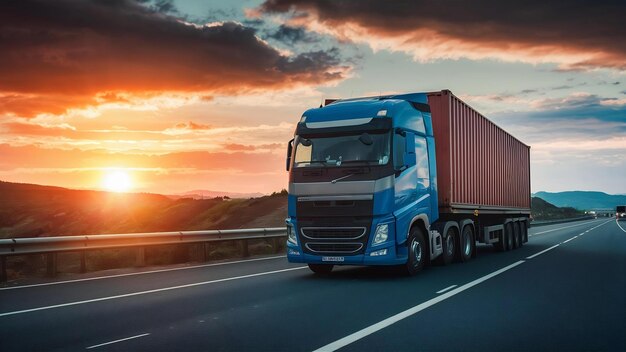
{"type": "Point", "coordinates": [403, 180]}
{"type": "Point", "coordinates": [620, 212]}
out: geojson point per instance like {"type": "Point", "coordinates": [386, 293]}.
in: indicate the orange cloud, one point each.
{"type": "Point", "coordinates": [174, 172]}
{"type": "Point", "coordinates": [242, 147]}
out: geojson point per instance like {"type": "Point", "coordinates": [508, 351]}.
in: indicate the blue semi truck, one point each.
{"type": "Point", "coordinates": [403, 180]}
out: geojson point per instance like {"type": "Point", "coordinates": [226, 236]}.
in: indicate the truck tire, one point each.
{"type": "Point", "coordinates": [466, 241]}
{"type": "Point", "coordinates": [520, 233]}
{"type": "Point", "coordinates": [508, 234]}
{"type": "Point", "coordinates": [501, 244]}
{"type": "Point", "coordinates": [524, 231]}
{"type": "Point", "coordinates": [418, 252]}
{"type": "Point", "coordinates": [449, 248]}
{"type": "Point", "coordinates": [516, 235]}
{"type": "Point", "coordinates": [321, 269]}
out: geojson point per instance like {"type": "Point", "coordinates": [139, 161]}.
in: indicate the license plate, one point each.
{"type": "Point", "coordinates": [332, 259]}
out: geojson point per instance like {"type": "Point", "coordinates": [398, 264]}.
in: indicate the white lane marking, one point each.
{"type": "Point", "coordinates": [446, 289]}
{"type": "Point", "coordinates": [333, 346]}
{"type": "Point", "coordinates": [149, 291]}
{"type": "Point", "coordinates": [556, 245]}
{"type": "Point", "coordinates": [543, 251]}
{"type": "Point", "coordinates": [568, 240]}
{"type": "Point", "coordinates": [120, 340]}
{"type": "Point", "coordinates": [560, 228]}
{"type": "Point", "coordinates": [140, 273]}
{"type": "Point", "coordinates": [620, 226]}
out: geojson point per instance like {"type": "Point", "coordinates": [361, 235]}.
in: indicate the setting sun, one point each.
{"type": "Point", "coordinates": [117, 181]}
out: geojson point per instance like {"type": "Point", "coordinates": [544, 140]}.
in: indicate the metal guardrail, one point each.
{"type": "Point", "coordinates": [53, 245]}
{"type": "Point", "coordinates": [560, 221]}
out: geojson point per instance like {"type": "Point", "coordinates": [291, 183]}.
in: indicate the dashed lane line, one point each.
{"type": "Point", "coordinates": [333, 346]}
{"type": "Point", "coordinates": [116, 341]}
{"type": "Point", "coordinates": [108, 298]}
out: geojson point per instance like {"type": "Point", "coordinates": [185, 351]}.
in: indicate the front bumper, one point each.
{"type": "Point", "coordinates": [295, 255]}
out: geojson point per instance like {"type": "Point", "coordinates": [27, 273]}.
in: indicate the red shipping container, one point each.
{"type": "Point", "coordinates": [479, 165]}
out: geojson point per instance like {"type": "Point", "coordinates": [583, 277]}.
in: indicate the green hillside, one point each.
{"type": "Point", "coordinates": [542, 210]}
{"type": "Point", "coordinates": [28, 210]}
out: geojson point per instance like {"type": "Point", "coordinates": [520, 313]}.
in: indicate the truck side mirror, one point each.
{"type": "Point", "coordinates": [410, 158]}
{"type": "Point", "coordinates": [289, 151]}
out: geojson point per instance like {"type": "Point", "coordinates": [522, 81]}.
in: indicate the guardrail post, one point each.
{"type": "Point", "coordinates": [141, 256]}
{"type": "Point", "coordinates": [83, 262]}
{"type": "Point", "coordinates": [51, 265]}
{"type": "Point", "coordinates": [276, 244]}
{"type": "Point", "coordinates": [3, 268]}
{"type": "Point", "coordinates": [205, 255]}
{"type": "Point", "coordinates": [245, 252]}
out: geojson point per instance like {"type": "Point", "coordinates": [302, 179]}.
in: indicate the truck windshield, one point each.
{"type": "Point", "coordinates": [364, 148]}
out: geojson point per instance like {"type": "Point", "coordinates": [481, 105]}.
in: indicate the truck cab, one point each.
{"type": "Point", "coordinates": [363, 184]}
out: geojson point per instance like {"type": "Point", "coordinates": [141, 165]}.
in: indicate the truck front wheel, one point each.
{"type": "Point", "coordinates": [321, 269]}
{"type": "Point", "coordinates": [418, 252]}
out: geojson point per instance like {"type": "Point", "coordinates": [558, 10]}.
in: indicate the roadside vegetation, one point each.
{"type": "Point", "coordinates": [542, 210]}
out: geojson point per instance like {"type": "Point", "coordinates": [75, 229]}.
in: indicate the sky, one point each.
{"type": "Point", "coordinates": [173, 96]}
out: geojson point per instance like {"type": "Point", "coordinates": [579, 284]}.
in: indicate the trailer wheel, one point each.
{"type": "Point", "coordinates": [449, 248]}
{"type": "Point", "coordinates": [524, 231]}
{"type": "Point", "coordinates": [501, 244]}
{"type": "Point", "coordinates": [321, 269]}
{"type": "Point", "coordinates": [418, 252]}
{"type": "Point", "coordinates": [467, 243]}
{"type": "Point", "coordinates": [516, 235]}
{"type": "Point", "coordinates": [519, 226]}
{"type": "Point", "coordinates": [508, 232]}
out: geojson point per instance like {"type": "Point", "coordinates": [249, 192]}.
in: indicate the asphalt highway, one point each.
{"type": "Point", "coordinates": [563, 290]}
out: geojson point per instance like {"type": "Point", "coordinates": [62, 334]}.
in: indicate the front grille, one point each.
{"type": "Point", "coordinates": [336, 248]}
{"type": "Point", "coordinates": [335, 233]}
{"type": "Point", "coordinates": [333, 239]}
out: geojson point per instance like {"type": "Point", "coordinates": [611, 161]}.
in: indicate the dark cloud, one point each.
{"type": "Point", "coordinates": [81, 48]}
{"type": "Point", "coordinates": [292, 35]}
{"type": "Point", "coordinates": [165, 6]}
{"type": "Point", "coordinates": [536, 28]}
{"type": "Point", "coordinates": [575, 118]}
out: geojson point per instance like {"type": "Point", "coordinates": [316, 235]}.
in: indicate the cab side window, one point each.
{"type": "Point", "coordinates": [399, 144]}
{"type": "Point", "coordinates": [423, 170]}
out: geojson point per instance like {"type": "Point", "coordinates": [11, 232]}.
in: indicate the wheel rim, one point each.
{"type": "Point", "coordinates": [467, 243]}
{"type": "Point", "coordinates": [416, 250]}
{"type": "Point", "coordinates": [450, 245]}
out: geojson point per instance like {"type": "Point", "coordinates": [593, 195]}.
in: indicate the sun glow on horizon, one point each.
{"type": "Point", "coordinates": [117, 181]}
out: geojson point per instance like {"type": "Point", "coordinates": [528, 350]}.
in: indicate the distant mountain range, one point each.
{"type": "Point", "coordinates": [206, 194]}
{"type": "Point", "coordinates": [583, 200]}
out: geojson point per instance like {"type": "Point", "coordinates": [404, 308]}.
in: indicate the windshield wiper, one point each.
{"type": "Point", "coordinates": [341, 178]}
{"type": "Point", "coordinates": [360, 161]}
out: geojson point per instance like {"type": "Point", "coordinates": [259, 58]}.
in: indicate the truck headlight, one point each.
{"type": "Point", "coordinates": [382, 233]}
{"type": "Point", "coordinates": [291, 235]}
